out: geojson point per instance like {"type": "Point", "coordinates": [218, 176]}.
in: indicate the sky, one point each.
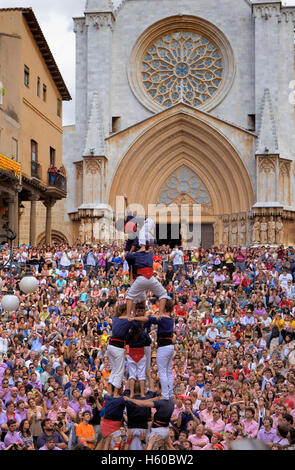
{"type": "Point", "coordinates": [55, 19]}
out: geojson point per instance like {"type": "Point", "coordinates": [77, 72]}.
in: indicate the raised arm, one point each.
{"type": "Point", "coordinates": [142, 403]}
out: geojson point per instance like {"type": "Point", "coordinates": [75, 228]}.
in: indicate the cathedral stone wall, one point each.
{"type": "Point", "coordinates": [240, 110]}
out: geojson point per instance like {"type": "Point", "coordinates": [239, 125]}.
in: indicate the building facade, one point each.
{"type": "Point", "coordinates": [32, 200]}
{"type": "Point", "coordinates": [189, 103]}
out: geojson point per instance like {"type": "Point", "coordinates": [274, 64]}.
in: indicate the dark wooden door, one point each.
{"type": "Point", "coordinates": [207, 235]}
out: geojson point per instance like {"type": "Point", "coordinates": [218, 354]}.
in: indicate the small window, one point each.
{"type": "Point", "coordinates": [27, 76]}
{"type": "Point", "coordinates": [14, 150]}
{"type": "Point", "coordinates": [251, 122]}
{"type": "Point", "coordinates": [44, 92]}
{"type": "Point", "coordinates": [59, 107]}
{"type": "Point", "coordinates": [116, 124]}
{"type": "Point", "coordinates": [52, 156]}
{"type": "Point", "coordinates": [38, 86]}
{"type": "Point", "coordinates": [34, 151]}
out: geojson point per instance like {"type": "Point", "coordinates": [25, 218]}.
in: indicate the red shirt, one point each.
{"type": "Point", "coordinates": [287, 402]}
{"type": "Point", "coordinates": [180, 311]}
{"type": "Point", "coordinates": [207, 321]}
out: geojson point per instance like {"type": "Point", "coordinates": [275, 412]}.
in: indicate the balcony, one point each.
{"type": "Point", "coordinates": [36, 170]}
{"type": "Point", "coordinates": [57, 184]}
{"type": "Point", "coordinates": [10, 165]}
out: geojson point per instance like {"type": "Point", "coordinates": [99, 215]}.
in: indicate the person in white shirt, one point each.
{"type": "Point", "coordinates": [65, 259]}
{"type": "Point", "coordinates": [3, 344]}
{"type": "Point", "coordinates": [177, 258]}
{"type": "Point", "coordinates": [284, 278]}
{"type": "Point", "coordinates": [211, 333]}
{"type": "Point", "coordinates": [289, 291]}
{"type": "Point", "coordinates": [22, 255]}
{"type": "Point", "coordinates": [198, 272]}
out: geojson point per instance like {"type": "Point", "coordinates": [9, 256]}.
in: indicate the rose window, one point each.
{"type": "Point", "coordinates": [184, 181]}
{"type": "Point", "coordinates": [182, 66]}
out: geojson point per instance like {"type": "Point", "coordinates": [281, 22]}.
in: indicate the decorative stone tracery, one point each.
{"type": "Point", "coordinates": [182, 58]}
{"type": "Point", "coordinates": [182, 65]}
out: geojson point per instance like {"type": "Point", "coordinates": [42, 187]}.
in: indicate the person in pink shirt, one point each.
{"type": "Point", "coordinates": [215, 439]}
{"type": "Point", "coordinates": [251, 426]}
{"type": "Point", "coordinates": [199, 439]}
{"type": "Point", "coordinates": [179, 407]}
{"type": "Point", "coordinates": [216, 424]}
{"type": "Point", "coordinates": [229, 438]}
{"type": "Point", "coordinates": [52, 413]}
{"type": "Point", "coordinates": [279, 411]}
{"type": "Point", "coordinates": [234, 418]}
{"type": "Point", "coordinates": [70, 414]}
{"type": "Point", "coordinates": [207, 414]}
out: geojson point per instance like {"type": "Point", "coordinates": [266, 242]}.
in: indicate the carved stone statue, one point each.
{"type": "Point", "coordinates": [234, 235]}
{"type": "Point", "coordinates": [96, 231]}
{"type": "Point", "coordinates": [88, 231]}
{"type": "Point", "coordinates": [271, 231]}
{"type": "Point", "coordinates": [279, 232]}
{"type": "Point", "coordinates": [82, 231]}
{"type": "Point", "coordinates": [263, 232]}
{"type": "Point", "coordinates": [225, 235]}
{"type": "Point", "coordinates": [256, 232]}
{"type": "Point", "coordinates": [242, 234]}
{"type": "Point", "coordinates": [216, 234]}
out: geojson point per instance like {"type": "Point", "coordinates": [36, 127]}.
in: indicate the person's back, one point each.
{"type": "Point", "coordinates": [137, 417]}
{"type": "Point", "coordinates": [164, 410]}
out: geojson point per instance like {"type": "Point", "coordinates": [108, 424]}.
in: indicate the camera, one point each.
{"type": "Point", "coordinates": [96, 393]}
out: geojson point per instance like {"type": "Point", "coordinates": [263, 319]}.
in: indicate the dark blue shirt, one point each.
{"type": "Point", "coordinates": [165, 325]}
{"type": "Point", "coordinates": [142, 340]}
{"type": "Point", "coordinates": [114, 408]}
{"type": "Point", "coordinates": [141, 259]}
{"type": "Point", "coordinates": [121, 327]}
{"type": "Point", "coordinates": [164, 410]}
{"type": "Point", "coordinates": [138, 417]}
{"type": "Point", "coordinates": [185, 419]}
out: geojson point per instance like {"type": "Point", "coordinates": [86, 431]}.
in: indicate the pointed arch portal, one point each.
{"type": "Point", "coordinates": [182, 140]}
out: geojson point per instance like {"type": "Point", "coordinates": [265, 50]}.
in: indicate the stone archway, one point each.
{"type": "Point", "coordinates": [57, 237]}
{"type": "Point", "coordinates": [182, 138]}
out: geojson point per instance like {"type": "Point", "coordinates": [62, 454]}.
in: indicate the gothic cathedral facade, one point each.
{"type": "Point", "coordinates": [189, 100]}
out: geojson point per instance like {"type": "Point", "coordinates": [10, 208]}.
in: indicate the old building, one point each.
{"type": "Point", "coordinates": [32, 92]}
{"type": "Point", "coordinates": [186, 101]}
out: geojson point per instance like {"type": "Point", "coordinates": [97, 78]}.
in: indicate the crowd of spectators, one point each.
{"type": "Point", "coordinates": [234, 360]}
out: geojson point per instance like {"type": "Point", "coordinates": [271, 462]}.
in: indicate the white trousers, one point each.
{"type": "Point", "coordinates": [136, 443]}
{"type": "Point", "coordinates": [142, 284]}
{"type": "Point", "coordinates": [148, 357]}
{"type": "Point", "coordinates": [117, 361]}
{"type": "Point", "coordinates": [163, 432]}
{"type": "Point", "coordinates": [164, 362]}
{"type": "Point", "coordinates": [136, 369]}
{"type": "Point", "coordinates": [147, 232]}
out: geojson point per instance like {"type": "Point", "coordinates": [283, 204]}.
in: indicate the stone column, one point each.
{"type": "Point", "coordinates": [34, 198]}
{"type": "Point", "coordinates": [48, 227]}
{"type": "Point", "coordinates": [13, 214]}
